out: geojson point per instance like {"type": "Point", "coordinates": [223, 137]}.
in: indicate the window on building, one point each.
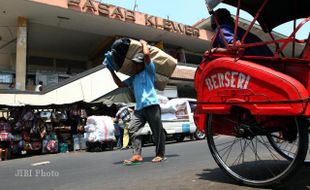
{"type": "Point", "coordinates": [6, 78]}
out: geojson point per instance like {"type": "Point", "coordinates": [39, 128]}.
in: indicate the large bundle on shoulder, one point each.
{"type": "Point", "coordinates": [123, 51]}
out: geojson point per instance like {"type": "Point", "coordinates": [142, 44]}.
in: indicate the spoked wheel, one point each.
{"type": "Point", "coordinates": [284, 147]}
{"type": "Point", "coordinates": [242, 149]}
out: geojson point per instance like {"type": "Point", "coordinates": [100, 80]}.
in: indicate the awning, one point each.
{"type": "Point", "coordinates": [117, 96]}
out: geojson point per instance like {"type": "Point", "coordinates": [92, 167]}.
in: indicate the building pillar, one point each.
{"type": "Point", "coordinates": [21, 53]}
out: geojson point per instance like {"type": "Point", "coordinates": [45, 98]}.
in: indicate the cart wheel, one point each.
{"type": "Point", "coordinates": [241, 148]}
{"type": "Point", "coordinates": [284, 147]}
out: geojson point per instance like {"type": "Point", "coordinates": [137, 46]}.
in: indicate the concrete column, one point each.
{"type": "Point", "coordinates": [21, 53]}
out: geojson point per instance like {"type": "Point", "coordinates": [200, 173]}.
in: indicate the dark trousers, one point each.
{"type": "Point", "coordinates": [152, 115]}
{"type": "Point", "coordinates": [119, 138]}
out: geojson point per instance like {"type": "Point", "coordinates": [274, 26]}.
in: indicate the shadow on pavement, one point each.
{"type": "Point", "coordinates": [299, 181]}
{"type": "Point", "coordinates": [216, 175]}
{"type": "Point", "coordinates": [149, 159]}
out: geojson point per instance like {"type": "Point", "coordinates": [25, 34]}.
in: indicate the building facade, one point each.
{"type": "Point", "coordinates": [50, 40]}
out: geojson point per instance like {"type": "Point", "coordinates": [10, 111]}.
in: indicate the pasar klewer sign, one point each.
{"type": "Point", "coordinates": [114, 12]}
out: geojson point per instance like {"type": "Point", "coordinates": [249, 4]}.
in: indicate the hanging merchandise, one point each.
{"type": "Point", "coordinates": [46, 116]}
{"type": "Point", "coordinates": [36, 145]}
{"type": "Point", "coordinates": [50, 141]}
{"type": "Point", "coordinates": [5, 130]}
{"type": "Point", "coordinates": [63, 147]}
{"type": "Point", "coordinates": [52, 146]}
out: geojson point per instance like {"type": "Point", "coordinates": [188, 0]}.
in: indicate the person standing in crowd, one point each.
{"type": "Point", "coordinates": [227, 25]}
{"type": "Point", "coordinates": [5, 131]}
{"type": "Point", "coordinates": [74, 121]}
{"type": "Point", "coordinates": [118, 132]}
{"type": "Point", "coordinates": [12, 85]}
{"type": "Point", "coordinates": [39, 87]}
{"type": "Point", "coordinates": [147, 105]}
{"type": "Point", "coordinates": [123, 117]}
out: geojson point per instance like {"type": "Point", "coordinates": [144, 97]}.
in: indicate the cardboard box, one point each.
{"type": "Point", "coordinates": [161, 81]}
{"type": "Point", "coordinates": [165, 64]}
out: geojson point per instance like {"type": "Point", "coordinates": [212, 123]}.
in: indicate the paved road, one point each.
{"type": "Point", "coordinates": [189, 166]}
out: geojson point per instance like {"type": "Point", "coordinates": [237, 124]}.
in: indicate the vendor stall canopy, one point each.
{"type": "Point", "coordinates": [119, 96]}
{"type": "Point", "coordinates": [275, 12]}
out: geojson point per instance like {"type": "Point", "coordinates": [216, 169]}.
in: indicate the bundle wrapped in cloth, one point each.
{"type": "Point", "coordinates": [124, 50]}
{"type": "Point", "coordinates": [99, 129]}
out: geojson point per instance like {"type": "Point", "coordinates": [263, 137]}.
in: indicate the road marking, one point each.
{"type": "Point", "coordinates": [40, 163]}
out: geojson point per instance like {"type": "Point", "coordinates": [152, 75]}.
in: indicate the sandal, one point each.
{"type": "Point", "coordinates": [158, 159]}
{"type": "Point", "coordinates": [134, 160]}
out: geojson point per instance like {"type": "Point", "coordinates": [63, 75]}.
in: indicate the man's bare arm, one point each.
{"type": "Point", "coordinates": [117, 81]}
{"type": "Point", "coordinates": [146, 52]}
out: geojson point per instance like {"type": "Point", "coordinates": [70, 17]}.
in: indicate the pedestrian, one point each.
{"type": "Point", "coordinates": [5, 133]}
{"type": "Point", "coordinates": [118, 132]}
{"type": "Point", "coordinates": [147, 105]}
{"type": "Point", "coordinates": [227, 24]}
{"type": "Point", "coordinates": [123, 117]}
{"type": "Point", "coordinates": [12, 85]}
{"type": "Point", "coordinates": [39, 87]}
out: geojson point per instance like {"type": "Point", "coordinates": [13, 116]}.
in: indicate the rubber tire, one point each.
{"type": "Point", "coordinates": [273, 144]}
{"type": "Point", "coordinates": [298, 162]}
{"type": "Point", "coordinates": [199, 136]}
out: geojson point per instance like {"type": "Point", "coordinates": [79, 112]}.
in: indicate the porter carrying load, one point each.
{"type": "Point", "coordinates": [124, 49]}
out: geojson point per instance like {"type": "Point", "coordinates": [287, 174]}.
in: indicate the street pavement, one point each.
{"type": "Point", "coordinates": [189, 166]}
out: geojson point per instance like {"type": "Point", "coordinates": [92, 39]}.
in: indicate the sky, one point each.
{"type": "Point", "coordinates": [191, 11]}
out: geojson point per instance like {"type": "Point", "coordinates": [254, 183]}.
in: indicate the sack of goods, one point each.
{"type": "Point", "coordinates": [124, 50]}
{"type": "Point", "coordinates": [99, 128]}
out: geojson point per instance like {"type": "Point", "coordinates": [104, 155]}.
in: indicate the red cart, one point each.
{"type": "Point", "coordinates": [255, 110]}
